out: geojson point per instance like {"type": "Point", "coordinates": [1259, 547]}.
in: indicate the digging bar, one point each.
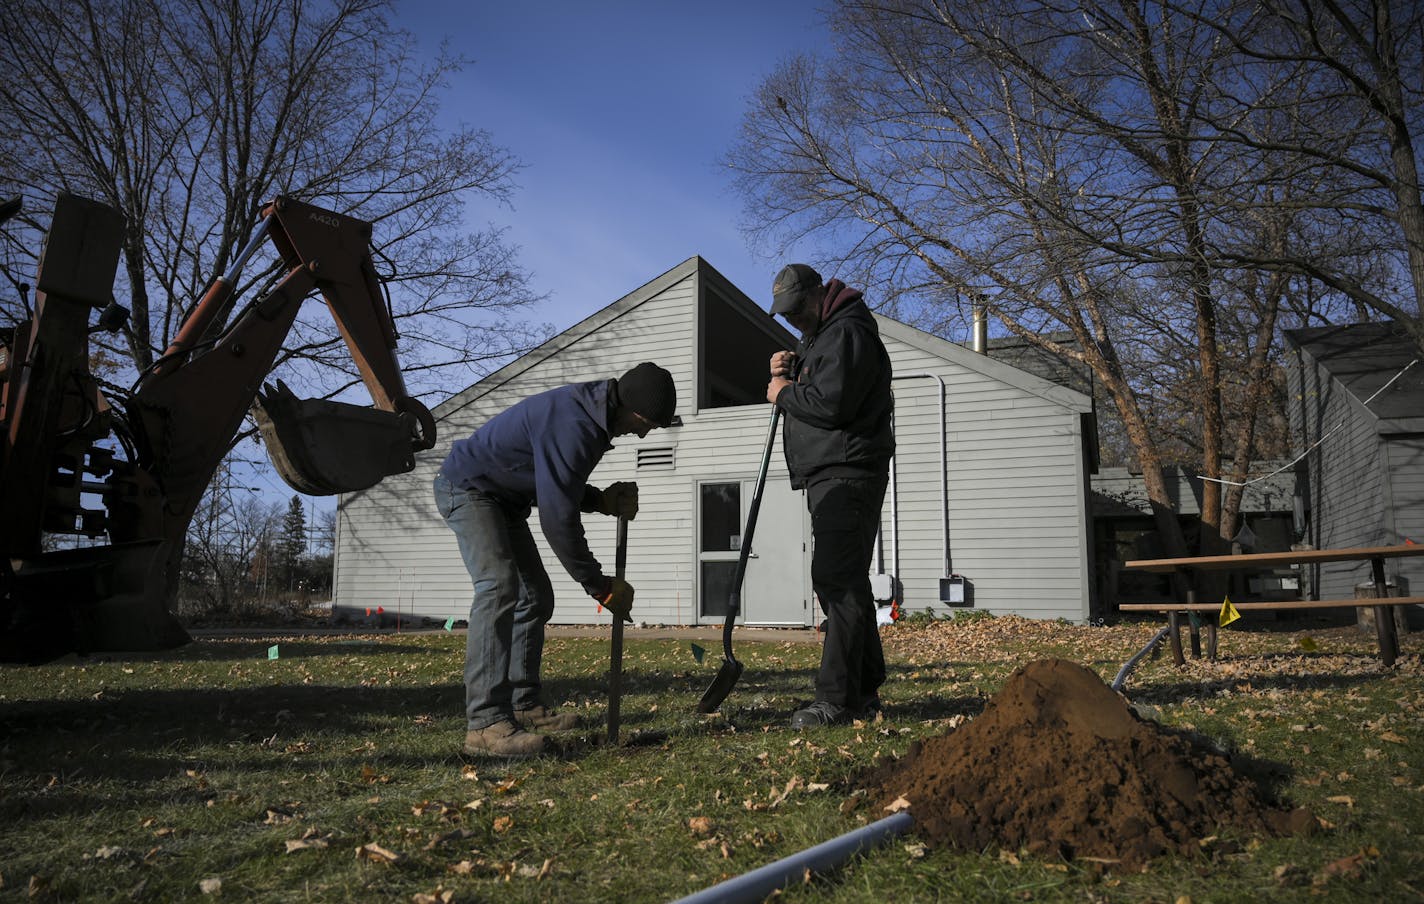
{"type": "Point", "coordinates": [615, 669]}
{"type": "Point", "coordinates": [731, 669]}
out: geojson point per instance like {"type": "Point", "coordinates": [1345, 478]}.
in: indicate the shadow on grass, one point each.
{"type": "Point", "coordinates": [255, 649]}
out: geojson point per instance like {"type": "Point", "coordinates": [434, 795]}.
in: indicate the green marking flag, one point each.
{"type": "Point", "coordinates": [450, 623]}
{"type": "Point", "coordinates": [1228, 612]}
{"type": "Point", "coordinates": [272, 652]}
{"type": "Point", "coordinates": [697, 652]}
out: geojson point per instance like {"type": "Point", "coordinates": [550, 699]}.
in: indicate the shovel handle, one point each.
{"type": "Point", "coordinates": [734, 601]}
{"type": "Point", "coordinates": [615, 668]}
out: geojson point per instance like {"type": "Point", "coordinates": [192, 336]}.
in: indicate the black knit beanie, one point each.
{"type": "Point", "coordinates": [649, 390]}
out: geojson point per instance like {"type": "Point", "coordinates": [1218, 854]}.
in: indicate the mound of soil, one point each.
{"type": "Point", "coordinates": [1059, 764]}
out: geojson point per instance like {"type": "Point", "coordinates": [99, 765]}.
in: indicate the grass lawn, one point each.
{"type": "Point", "coordinates": [332, 773]}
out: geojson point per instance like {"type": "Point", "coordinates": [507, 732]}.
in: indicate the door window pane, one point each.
{"type": "Point", "coordinates": [717, 587]}
{"type": "Point", "coordinates": [721, 517]}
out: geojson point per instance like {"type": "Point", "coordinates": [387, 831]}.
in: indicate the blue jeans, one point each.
{"type": "Point", "coordinates": [513, 600]}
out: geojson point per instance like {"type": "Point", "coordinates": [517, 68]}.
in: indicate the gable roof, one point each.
{"type": "Point", "coordinates": [694, 265]}
{"type": "Point", "coordinates": [983, 364]}
{"type": "Point", "coordinates": [1364, 358]}
{"type": "Point", "coordinates": [738, 300]}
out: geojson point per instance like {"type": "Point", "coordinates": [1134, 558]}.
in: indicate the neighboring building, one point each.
{"type": "Point", "coordinates": [1015, 526]}
{"type": "Point", "coordinates": [1124, 528]}
{"type": "Point", "coordinates": [1359, 413]}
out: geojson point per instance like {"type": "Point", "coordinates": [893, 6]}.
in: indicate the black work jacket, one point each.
{"type": "Point", "coordinates": [838, 412]}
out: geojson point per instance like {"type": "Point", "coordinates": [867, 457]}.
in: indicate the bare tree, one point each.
{"type": "Point", "coordinates": [1056, 163]}
{"type": "Point", "coordinates": [187, 117]}
{"type": "Point", "coordinates": [228, 549]}
{"type": "Point", "coordinates": [1352, 72]}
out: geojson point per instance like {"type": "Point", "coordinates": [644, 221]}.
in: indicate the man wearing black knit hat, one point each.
{"type": "Point", "coordinates": [538, 453]}
{"type": "Point", "coordinates": [835, 393]}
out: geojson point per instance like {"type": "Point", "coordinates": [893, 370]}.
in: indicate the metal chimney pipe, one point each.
{"type": "Point", "coordinates": [979, 334]}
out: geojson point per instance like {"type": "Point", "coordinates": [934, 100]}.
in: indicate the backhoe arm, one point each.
{"type": "Point", "coordinates": [188, 407]}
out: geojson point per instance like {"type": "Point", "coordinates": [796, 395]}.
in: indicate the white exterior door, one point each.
{"type": "Point", "coordinates": [775, 589]}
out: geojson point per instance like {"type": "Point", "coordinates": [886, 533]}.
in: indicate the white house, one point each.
{"type": "Point", "coordinates": [989, 482]}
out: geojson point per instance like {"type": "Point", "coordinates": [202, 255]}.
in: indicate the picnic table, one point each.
{"type": "Point", "coordinates": [1188, 565]}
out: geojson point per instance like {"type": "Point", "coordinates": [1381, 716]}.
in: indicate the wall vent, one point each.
{"type": "Point", "coordinates": [659, 458]}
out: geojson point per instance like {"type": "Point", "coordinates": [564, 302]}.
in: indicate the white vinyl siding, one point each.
{"type": "Point", "coordinates": [1348, 471]}
{"type": "Point", "coordinates": [1016, 483]}
{"type": "Point", "coordinates": [1017, 517]}
{"type": "Point", "coordinates": [1405, 468]}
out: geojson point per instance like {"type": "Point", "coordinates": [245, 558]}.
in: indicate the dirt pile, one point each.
{"type": "Point", "coordinates": [1059, 764]}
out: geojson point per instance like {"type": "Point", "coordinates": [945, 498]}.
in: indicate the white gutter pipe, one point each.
{"type": "Point", "coordinates": [943, 481]}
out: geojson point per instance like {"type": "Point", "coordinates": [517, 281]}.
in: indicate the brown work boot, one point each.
{"type": "Point", "coordinates": [503, 739]}
{"type": "Point", "coordinates": [540, 718]}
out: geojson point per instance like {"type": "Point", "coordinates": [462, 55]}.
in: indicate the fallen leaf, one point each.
{"type": "Point", "coordinates": [1351, 867]}
{"type": "Point", "coordinates": [700, 825]}
{"type": "Point", "coordinates": [1391, 737]}
{"type": "Point", "coordinates": [503, 823]}
{"type": "Point", "coordinates": [376, 854]}
{"type": "Point", "coordinates": [897, 805]}
{"type": "Point", "coordinates": [459, 834]}
{"type": "Point", "coordinates": [1345, 799]}
{"type": "Point", "coordinates": [438, 896]}
{"type": "Point", "coordinates": [507, 785]}
{"type": "Point", "coordinates": [211, 886]}
{"type": "Point", "coordinates": [790, 786]}
{"type": "Point", "coordinates": [311, 838]}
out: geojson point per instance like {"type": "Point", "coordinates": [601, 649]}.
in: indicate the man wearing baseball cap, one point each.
{"type": "Point", "coordinates": [834, 391]}
{"type": "Point", "coordinates": [537, 454]}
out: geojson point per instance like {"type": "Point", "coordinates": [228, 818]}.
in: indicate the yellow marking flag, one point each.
{"type": "Point", "coordinates": [1228, 613]}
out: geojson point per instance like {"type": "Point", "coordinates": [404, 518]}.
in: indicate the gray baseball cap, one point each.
{"type": "Point", "coordinates": [791, 287]}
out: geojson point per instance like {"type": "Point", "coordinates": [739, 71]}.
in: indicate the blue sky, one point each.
{"type": "Point", "coordinates": [619, 111]}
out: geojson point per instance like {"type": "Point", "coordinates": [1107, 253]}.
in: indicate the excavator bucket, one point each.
{"type": "Point", "coordinates": [322, 448]}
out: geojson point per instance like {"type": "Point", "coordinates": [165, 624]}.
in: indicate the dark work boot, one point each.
{"type": "Point", "coordinates": [820, 714]}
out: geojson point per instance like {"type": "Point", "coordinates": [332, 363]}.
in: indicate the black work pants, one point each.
{"type": "Point", "coordinates": [845, 515]}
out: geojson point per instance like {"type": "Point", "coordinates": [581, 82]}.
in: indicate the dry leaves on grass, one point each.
{"type": "Point", "coordinates": [376, 854]}
{"type": "Point", "coordinates": [1350, 868]}
{"type": "Point", "coordinates": [1243, 653]}
{"type": "Point", "coordinates": [310, 839]}
{"type": "Point", "coordinates": [508, 870]}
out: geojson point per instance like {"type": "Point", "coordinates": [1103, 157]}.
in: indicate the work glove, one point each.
{"type": "Point", "coordinates": [618, 599]}
{"type": "Point", "coordinates": [620, 500]}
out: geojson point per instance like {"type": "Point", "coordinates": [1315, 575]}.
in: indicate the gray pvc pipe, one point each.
{"type": "Point", "coordinates": [1128, 666]}
{"type": "Point", "coordinates": [757, 884]}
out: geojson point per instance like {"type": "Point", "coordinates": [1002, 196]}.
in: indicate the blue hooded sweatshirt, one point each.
{"type": "Point", "coordinates": [540, 453]}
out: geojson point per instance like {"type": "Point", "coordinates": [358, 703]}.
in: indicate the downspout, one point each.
{"type": "Point", "coordinates": [943, 480]}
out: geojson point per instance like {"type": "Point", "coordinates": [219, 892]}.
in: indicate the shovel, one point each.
{"type": "Point", "coordinates": [615, 669]}
{"type": "Point", "coordinates": [731, 669]}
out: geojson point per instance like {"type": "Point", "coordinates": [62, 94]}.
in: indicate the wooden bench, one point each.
{"type": "Point", "coordinates": [1375, 555]}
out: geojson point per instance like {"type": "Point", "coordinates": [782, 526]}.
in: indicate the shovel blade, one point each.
{"type": "Point", "coordinates": [721, 686]}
